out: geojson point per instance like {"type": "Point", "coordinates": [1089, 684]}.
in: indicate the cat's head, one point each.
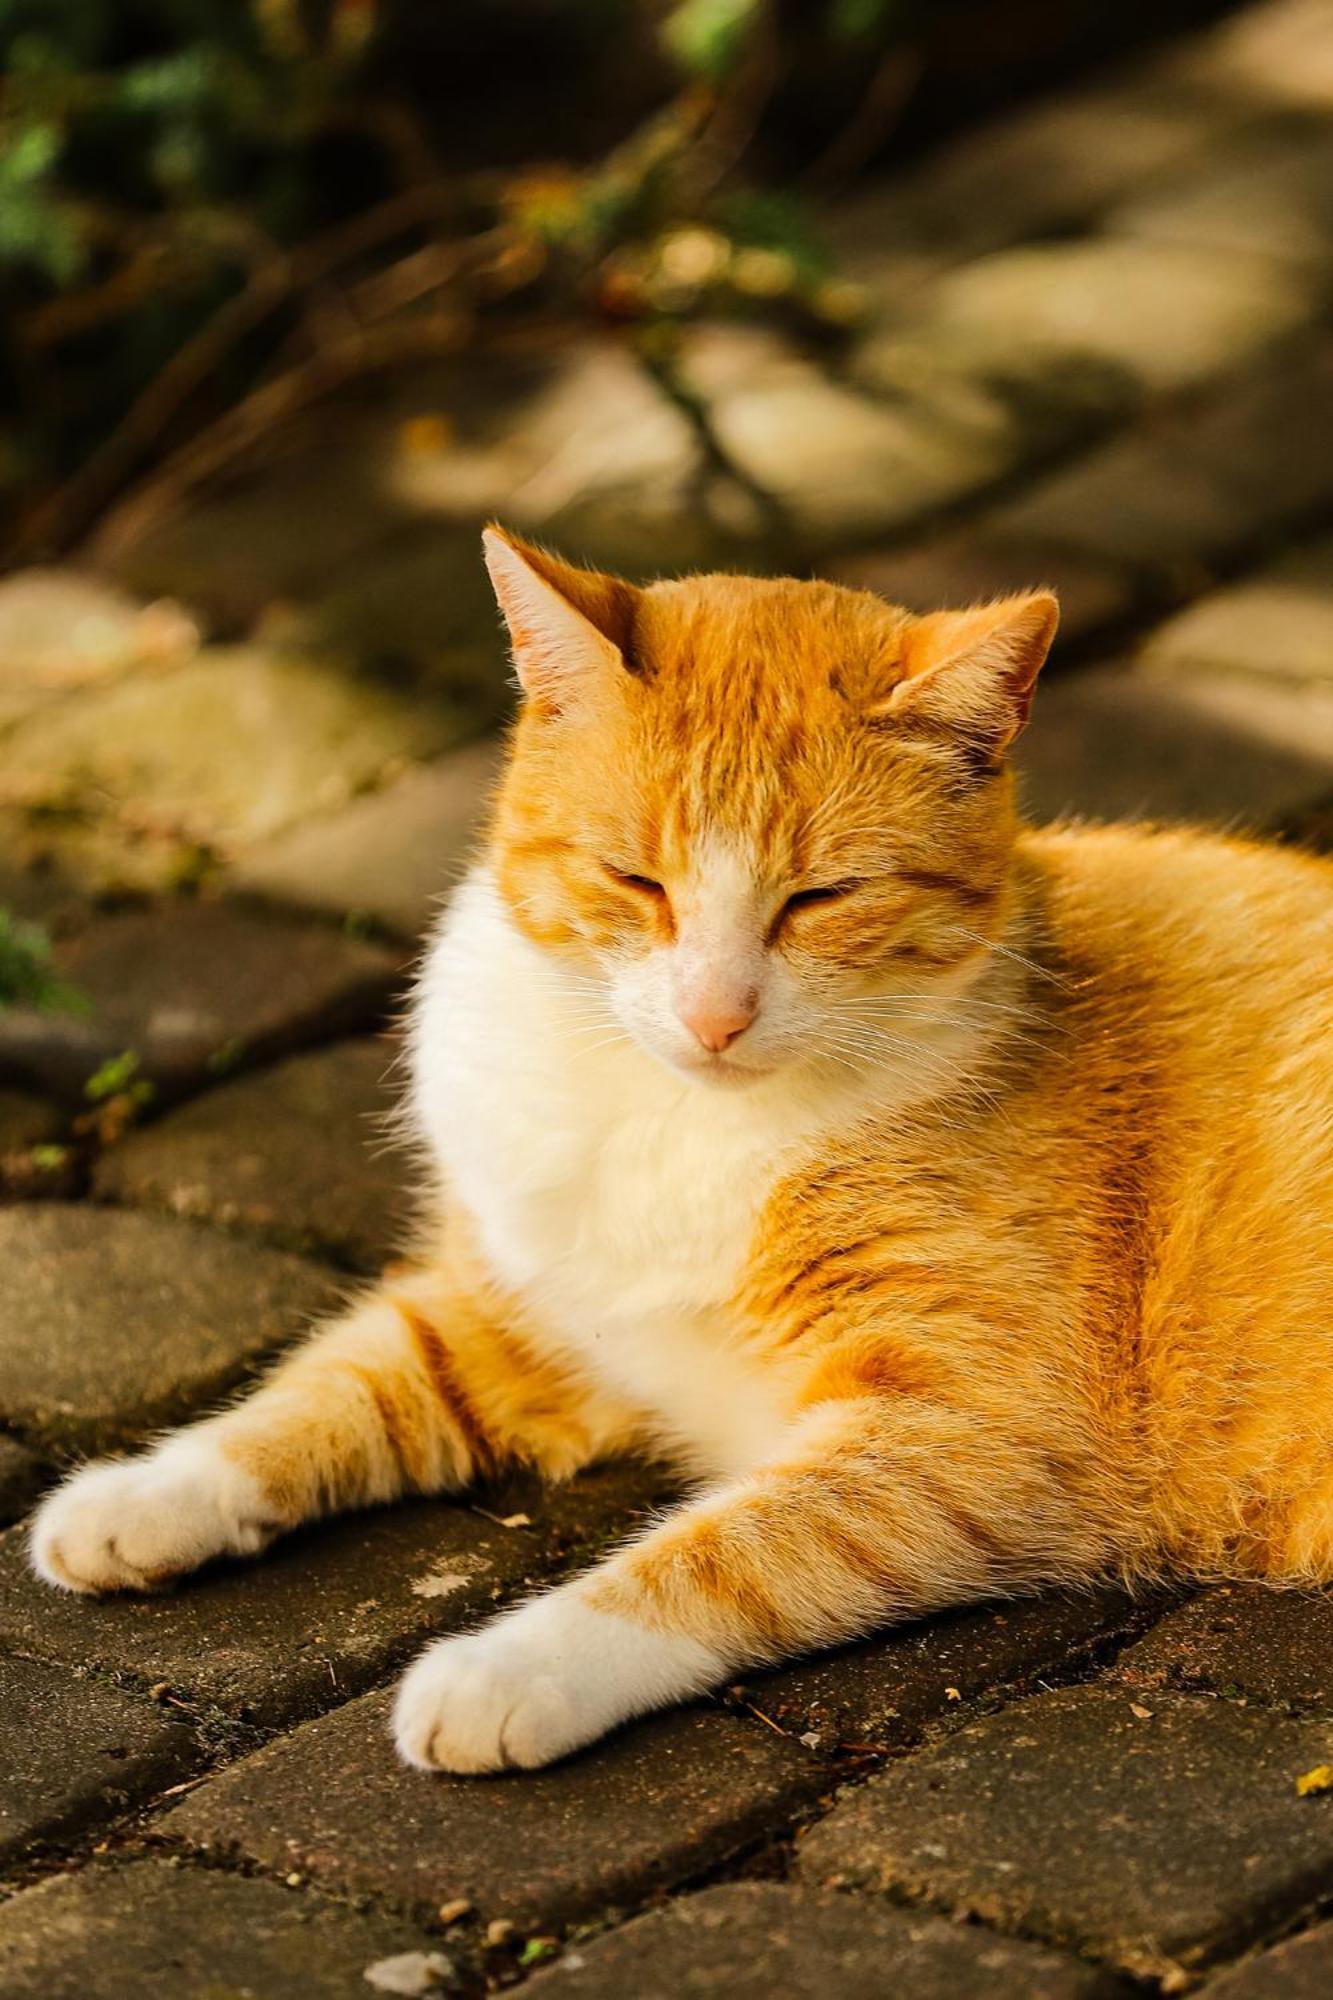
{"type": "Point", "coordinates": [747, 807]}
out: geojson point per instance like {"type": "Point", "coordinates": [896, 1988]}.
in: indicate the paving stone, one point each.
{"type": "Point", "coordinates": [329, 1610]}
{"type": "Point", "coordinates": [1114, 743]}
{"type": "Point", "coordinates": [22, 1476]}
{"type": "Point", "coordinates": [389, 855]}
{"type": "Point", "coordinates": [883, 1693]}
{"type": "Point", "coordinates": [535, 431]}
{"type": "Point", "coordinates": [770, 1941]}
{"type": "Point", "coordinates": [546, 426]}
{"type": "Point", "coordinates": [1271, 198]}
{"type": "Point", "coordinates": [193, 1933]}
{"type": "Point", "coordinates": [298, 1154]}
{"type": "Point", "coordinates": [1280, 52]}
{"type": "Point", "coordinates": [62, 629]}
{"type": "Point", "coordinates": [26, 1120]}
{"type": "Point", "coordinates": [1170, 315]}
{"type": "Point", "coordinates": [966, 568]}
{"type": "Point", "coordinates": [193, 989]}
{"type": "Point", "coordinates": [419, 612]}
{"type": "Point", "coordinates": [1198, 485]}
{"type": "Point", "coordinates": [276, 536]}
{"type": "Point", "coordinates": [1047, 167]}
{"type": "Point", "coordinates": [31, 887]}
{"type": "Point", "coordinates": [647, 1808]}
{"type": "Point", "coordinates": [1276, 621]}
{"type": "Point", "coordinates": [74, 1750]}
{"type": "Point", "coordinates": [115, 1322]}
{"type": "Point", "coordinates": [225, 749]}
{"type": "Point", "coordinates": [1310, 826]}
{"type": "Point", "coordinates": [843, 463]}
{"type": "Point", "coordinates": [1300, 1969]}
{"type": "Point", "coordinates": [1241, 1640]}
{"type": "Point", "coordinates": [1160, 1841]}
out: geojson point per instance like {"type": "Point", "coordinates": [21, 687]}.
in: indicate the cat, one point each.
{"type": "Point", "coordinates": [950, 1200]}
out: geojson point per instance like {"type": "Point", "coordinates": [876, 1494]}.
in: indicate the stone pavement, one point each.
{"type": "Point", "coordinates": [243, 750]}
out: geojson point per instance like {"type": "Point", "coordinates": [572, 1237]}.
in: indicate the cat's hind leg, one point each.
{"type": "Point", "coordinates": [416, 1389]}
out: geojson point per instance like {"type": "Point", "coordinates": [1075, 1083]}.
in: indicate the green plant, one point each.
{"type": "Point", "coordinates": [213, 212]}
{"type": "Point", "coordinates": [27, 976]}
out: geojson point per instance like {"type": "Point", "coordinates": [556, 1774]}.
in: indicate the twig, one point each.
{"type": "Point", "coordinates": [716, 460]}
{"type": "Point", "coordinates": [223, 443]}
{"type": "Point", "coordinates": [882, 104]}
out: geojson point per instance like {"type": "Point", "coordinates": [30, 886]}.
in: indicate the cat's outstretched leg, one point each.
{"type": "Point", "coordinates": [417, 1389]}
{"type": "Point", "coordinates": [871, 1513]}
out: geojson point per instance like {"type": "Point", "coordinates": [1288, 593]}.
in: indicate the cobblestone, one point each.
{"type": "Point", "coordinates": [1198, 485]}
{"type": "Point", "coordinates": [326, 1611]}
{"type": "Point", "coordinates": [1044, 169]}
{"type": "Point", "coordinates": [649, 1807]}
{"type": "Point", "coordinates": [151, 1928]}
{"type": "Point", "coordinates": [1159, 1835]}
{"type": "Point", "coordinates": [883, 1693]}
{"type": "Point", "coordinates": [1272, 199]}
{"type": "Point", "coordinates": [1170, 315]}
{"type": "Point", "coordinates": [1300, 1969]}
{"type": "Point", "coordinates": [1277, 53]}
{"type": "Point", "coordinates": [298, 1154]}
{"type": "Point", "coordinates": [224, 750]}
{"type": "Point", "coordinates": [1275, 622]}
{"type": "Point", "coordinates": [116, 1322]}
{"type": "Point", "coordinates": [74, 1750]}
{"type": "Point", "coordinates": [191, 990]}
{"type": "Point", "coordinates": [1100, 359]}
{"type": "Point", "coordinates": [841, 462]}
{"type": "Point", "coordinates": [1242, 1640]}
{"type": "Point", "coordinates": [61, 630]}
{"type": "Point", "coordinates": [1114, 743]}
{"type": "Point", "coordinates": [967, 568]}
{"type": "Point", "coordinates": [767, 1941]}
{"type": "Point", "coordinates": [387, 856]}
{"type": "Point", "coordinates": [22, 1477]}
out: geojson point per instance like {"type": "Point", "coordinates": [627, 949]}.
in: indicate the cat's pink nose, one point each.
{"type": "Point", "coordinates": [716, 1025]}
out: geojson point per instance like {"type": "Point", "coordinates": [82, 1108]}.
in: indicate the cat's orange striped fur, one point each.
{"type": "Point", "coordinates": [952, 1199]}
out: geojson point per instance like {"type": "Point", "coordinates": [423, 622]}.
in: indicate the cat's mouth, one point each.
{"type": "Point", "coordinates": [727, 1072]}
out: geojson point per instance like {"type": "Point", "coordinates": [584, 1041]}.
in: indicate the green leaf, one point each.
{"type": "Point", "coordinates": [859, 20]}
{"type": "Point", "coordinates": [706, 36]}
{"type": "Point", "coordinates": [27, 977]}
{"type": "Point", "coordinates": [114, 1077]}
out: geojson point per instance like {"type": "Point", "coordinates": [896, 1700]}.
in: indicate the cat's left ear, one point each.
{"type": "Point", "coordinates": [569, 627]}
{"type": "Point", "coordinates": [973, 672]}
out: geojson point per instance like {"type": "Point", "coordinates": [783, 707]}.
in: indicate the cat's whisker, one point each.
{"type": "Point", "coordinates": [1007, 951]}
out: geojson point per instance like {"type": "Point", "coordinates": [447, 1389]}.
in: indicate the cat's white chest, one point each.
{"type": "Point", "coordinates": [620, 1201]}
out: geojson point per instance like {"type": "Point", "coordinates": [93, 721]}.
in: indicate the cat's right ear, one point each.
{"type": "Point", "coordinates": [570, 628]}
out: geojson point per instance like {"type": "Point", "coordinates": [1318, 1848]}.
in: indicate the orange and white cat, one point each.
{"type": "Point", "coordinates": [951, 1200]}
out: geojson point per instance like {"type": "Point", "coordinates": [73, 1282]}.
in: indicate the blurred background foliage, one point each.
{"type": "Point", "coordinates": [214, 212]}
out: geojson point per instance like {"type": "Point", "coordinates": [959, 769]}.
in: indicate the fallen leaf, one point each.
{"type": "Point", "coordinates": [1318, 1780]}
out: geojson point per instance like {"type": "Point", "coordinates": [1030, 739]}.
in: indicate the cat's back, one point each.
{"type": "Point", "coordinates": [1182, 929]}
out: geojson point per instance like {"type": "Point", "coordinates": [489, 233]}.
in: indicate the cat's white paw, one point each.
{"type": "Point", "coordinates": [137, 1523]}
{"type": "Point", "coordinates": [537, 1684]}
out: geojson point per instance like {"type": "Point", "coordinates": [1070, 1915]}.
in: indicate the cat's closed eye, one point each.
{"type": "Point", "coordinates": [643, 884]}
{"type": "Point", "coordinates": [829, 892]}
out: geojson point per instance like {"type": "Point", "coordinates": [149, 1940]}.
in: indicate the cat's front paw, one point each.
{"type": "Point", "coordinates": [483, 1703]}
{"type": "Point", "coordinates": [537, 1684]}
{"type": "Point", "coordinates": [138, 1523]}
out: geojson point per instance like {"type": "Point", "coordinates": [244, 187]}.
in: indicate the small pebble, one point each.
{"type": "Point", "coordinates": [416, 1973]}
